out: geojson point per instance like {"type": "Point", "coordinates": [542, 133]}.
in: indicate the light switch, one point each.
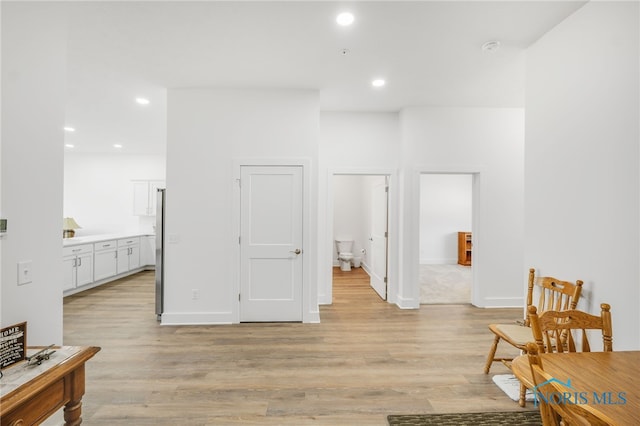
{"type": "Point", "coordinates": [24, 272]}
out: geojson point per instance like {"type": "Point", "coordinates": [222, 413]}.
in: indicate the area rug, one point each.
{"type": "Point", "coordinates": [511, 386]}
{"type": "Point", "coordinates": [520, 418]}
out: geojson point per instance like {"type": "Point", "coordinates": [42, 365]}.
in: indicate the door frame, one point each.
{"type": "Point", "coordinates": [310, 312]}
{"type": "Point", "coordinates": [477, 173]}
{"type": "Point", "coordinates": [326, 286]}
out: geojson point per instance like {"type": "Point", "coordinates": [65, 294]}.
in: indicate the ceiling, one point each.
{"type": "Point", "coordinates": [428, 52]}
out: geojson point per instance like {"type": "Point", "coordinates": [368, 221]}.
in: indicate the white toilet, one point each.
{"type": "Point", "coordinates": [345, 254]}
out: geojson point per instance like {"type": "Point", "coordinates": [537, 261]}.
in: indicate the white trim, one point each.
{"type": "Point", "coordinates": [407, 303]}
{"type": "Point", "coordinates": [313, 317]}
{"type": "Point", "coordinates": [502, 302]}
{"type": "Point", "coordinates": [196, 318]}
{"type": "Point", "coordinates": [450, 169]}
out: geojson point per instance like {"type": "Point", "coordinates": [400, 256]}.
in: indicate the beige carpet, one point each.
{"type": "Point", "coordinates": [442, 284]}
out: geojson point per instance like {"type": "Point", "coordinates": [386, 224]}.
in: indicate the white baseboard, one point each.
{"type": "Point", "coordinates": [501, 302]}
{"type": "Point", "coordinates": [216, 318]}
{"type": "Point", "coordinates": [406, 303]}
{"type": "Point", "coordinates": [196, 318]}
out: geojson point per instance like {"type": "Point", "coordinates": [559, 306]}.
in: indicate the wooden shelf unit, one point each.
{"type": "Point", "coordinates": [464, 248]}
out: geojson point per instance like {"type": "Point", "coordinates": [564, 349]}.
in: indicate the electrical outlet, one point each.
{"type": "Point", "coordinates": [24, 272]}
{"type": "Point", "coordinates": [195, 294]}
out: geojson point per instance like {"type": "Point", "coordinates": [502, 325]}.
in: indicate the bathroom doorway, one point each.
{"type": "Point", "coordinates": [446, 236]}
{"type": "Point", "coordinates": [360, 216]}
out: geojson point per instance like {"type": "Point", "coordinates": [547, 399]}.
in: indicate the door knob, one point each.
{"type": "Point", "coordinates": [297, 251]}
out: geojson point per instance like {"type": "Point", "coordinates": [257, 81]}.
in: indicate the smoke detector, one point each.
{"type": "Point", "coordinates": [491, 46]}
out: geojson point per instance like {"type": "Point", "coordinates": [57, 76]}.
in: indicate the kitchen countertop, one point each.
{"type": "Point", "coordinates": [90, 239]}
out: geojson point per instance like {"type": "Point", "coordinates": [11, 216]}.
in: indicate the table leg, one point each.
{"type": "Point", "coordinates": [73, 409]}
{"type": "Point", "coordinates": [72, 413]}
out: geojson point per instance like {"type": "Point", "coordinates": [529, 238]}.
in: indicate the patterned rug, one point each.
{"type": "Point", "coordinates": [520, 418]}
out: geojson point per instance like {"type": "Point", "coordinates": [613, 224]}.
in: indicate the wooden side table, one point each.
{"type": "Point", "coordinates": [30, 394]}
{"type": "Point", "coordinates": [464, 248]}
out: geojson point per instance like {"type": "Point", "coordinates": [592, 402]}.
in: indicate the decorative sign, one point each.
{"type": "Point", "coordinates": [13, 344]}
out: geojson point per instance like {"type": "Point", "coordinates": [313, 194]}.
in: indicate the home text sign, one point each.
{"type": "Point", "coordinates": [13, 344]}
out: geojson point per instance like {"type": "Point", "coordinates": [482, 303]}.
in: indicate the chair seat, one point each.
{"type": "Point", "coordinates": [516, 334]}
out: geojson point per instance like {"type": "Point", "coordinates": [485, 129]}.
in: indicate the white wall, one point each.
{"type": "Point", "coordinates": [490, 143]}
{"type": "Point", "coordinates": [33, 96]}
{"type": "Point", "coordinates": [349, 212]}
{"type": "Point", "coordinates": [582, 159]}
{"type": "Point", "coordinates": [445, 210]}
{"type": "Point", "coordinates": [209, 129]}
{"type": "Point", "coordinates": [98, 190]}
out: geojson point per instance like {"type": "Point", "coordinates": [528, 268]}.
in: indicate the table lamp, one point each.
{"type": "Point", "coordinates": [69, 225]}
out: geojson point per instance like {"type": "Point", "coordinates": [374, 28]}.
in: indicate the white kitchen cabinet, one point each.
{"type": "Point", "coordinates": [105, 259]}
{"type": "Point", "coordinates": [145, 193]}
{"type": "Point", "coordinates": [148, 250]}
{"type": "Point", "coordinates": [78, 265]}
{"type": "Point", "coordinates": [128, 254]}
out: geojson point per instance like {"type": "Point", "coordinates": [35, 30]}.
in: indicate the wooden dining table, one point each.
{"type": "Point", "coordinates": [608, 381]}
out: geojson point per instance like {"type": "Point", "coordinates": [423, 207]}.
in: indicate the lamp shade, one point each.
{"type": "Point", "coordinates": [70, 223]}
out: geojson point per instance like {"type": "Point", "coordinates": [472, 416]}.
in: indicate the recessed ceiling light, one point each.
{"type": "Point", "coordinates": [69, 129]}
{"type": "Point", "coordinates": [69, 145]}
{"type": "Point", "coordinates": [142, 101]}
{"type": "Point", "coordinates": [378, 82]}
{"type": "Point", "coordinates": [117, 145]}
{"type": "Point", "coordinates": [345, 19]}
{"type": "Point", "coordinates": [491, 46]}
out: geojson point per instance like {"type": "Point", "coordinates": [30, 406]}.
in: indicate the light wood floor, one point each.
{"type": "Point", "coordinates": [365, 360]}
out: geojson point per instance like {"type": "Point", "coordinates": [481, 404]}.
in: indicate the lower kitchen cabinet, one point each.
{"type": "Point", "coordinates": [99, 261]}
{"type": "Point", "coordinates": [105, 259]}
{"type": "Point", "coordinates": [78, 265]}
{"type": "Point", "coordinates": [128, 254]}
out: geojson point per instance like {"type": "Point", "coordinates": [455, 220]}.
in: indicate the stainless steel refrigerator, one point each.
{"type": "Point", "coordinates": [160, 202]}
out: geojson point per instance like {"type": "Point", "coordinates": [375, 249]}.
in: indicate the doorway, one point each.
{"type": "Point", "coordinates": [361, 216]}
{"type": "Point", "coordinates": [446, 238]}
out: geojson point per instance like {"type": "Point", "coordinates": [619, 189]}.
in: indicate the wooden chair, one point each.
{"type": "Point", "coordinates": [556, 331]}
{"type": "Point", "coordinates": [550, 294]}
{"type": "Point", "coordinates": [554, 409]}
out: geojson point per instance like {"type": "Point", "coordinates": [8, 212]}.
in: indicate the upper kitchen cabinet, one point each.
{"type": "Point", "coordinates": [144, 196]}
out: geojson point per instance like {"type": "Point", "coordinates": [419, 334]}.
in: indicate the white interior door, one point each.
{"type": "Point", "coordinates": [378, 239]}
{"type": "Point", "coordinates": [271, 243]}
